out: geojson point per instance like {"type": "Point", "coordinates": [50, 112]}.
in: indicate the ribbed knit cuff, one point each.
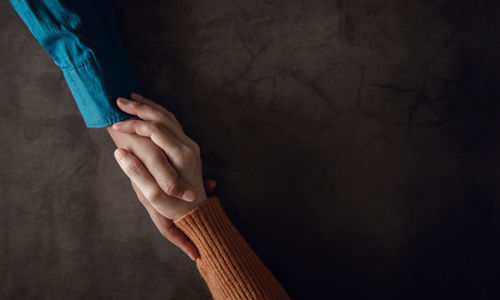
{"type": "Point", "coordinates": [229, 266]}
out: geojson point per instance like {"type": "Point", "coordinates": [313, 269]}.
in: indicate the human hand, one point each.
{"type": "Point", "coordinates": [144, 149]}
{"type": "Point", "coordinates": [167, 227]}
{"type": "Point", "coordinates": [162, 128]}
{"type": "Point", "coordinates": [156, 162]}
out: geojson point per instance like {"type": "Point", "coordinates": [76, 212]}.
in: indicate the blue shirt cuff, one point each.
{"type": "Point", "coordinates": [96, 84]}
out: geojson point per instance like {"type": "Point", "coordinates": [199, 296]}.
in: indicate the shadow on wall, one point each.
{"type": "Point", "coordinates": [354, 143]}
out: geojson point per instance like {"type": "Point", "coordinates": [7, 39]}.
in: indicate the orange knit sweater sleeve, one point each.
{"type": "Point", "coordinates": [231, 269]}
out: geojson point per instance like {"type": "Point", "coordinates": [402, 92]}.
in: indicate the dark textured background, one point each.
{"type": "Point", "coordinates": [355, 145]}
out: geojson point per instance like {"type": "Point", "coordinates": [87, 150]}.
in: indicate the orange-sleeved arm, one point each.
{"type": "Point", "coordinates": [231, 269]}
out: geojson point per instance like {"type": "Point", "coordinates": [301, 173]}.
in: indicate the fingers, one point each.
{"type": "Point", "coordinates": [142, 99]}
{"type": "Point", "coordinates": [150, 113]}
{"type": "Point", "coordinates": [209, 186]}
{"type": "Point", "coordinates": [167, 177]}
{"type": "Point", "coordinates": [167, 228]}
{"type": "Point", "coordinates": [176, 151]}
{"type": "Point", "coordinates": [178, 238]}
{"type": "Point", "coordinates": [168, 206]}
{"type": "Point", "coordinates": [148, 110]}
{"type": "Point", "coordinates": [156, 162]}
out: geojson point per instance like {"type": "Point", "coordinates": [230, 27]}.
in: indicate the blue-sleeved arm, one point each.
{"type": "Point", "coordinates": [82, 38]}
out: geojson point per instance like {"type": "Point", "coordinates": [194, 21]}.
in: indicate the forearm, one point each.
{"type": "Point", "coordinates": [83, 40]}
{"type": "Point", "coordinates": [231, 269]}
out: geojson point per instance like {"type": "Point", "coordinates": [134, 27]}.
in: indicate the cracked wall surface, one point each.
{"type": "Point", "coordinates": [355, 145]}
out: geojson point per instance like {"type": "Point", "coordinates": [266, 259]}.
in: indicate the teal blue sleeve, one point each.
{"type": "Point", "coordinates": [82, 38]}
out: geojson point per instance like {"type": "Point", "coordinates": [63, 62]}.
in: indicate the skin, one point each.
{"type": "Point", "coordinates": [163, 164]}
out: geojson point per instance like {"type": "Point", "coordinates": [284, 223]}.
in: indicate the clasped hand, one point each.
{"type": "Point", "coordinates": [163, 164]}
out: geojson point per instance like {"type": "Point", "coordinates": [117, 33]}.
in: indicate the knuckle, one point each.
{"type": "Point", "coordinates": [155, 128]}
{"type": "Point", "coordinates": [171, 115]}
{"type": "Point", "coordinates": [196, 148]}
{"type": "Point", "coordinates": [135, 105]}
{"type": "Point", "coordinates": [158, 115]}
{"type": "Point", "coordinates": [173, 188]}
{"type": "Point", "coordinates": [159, 158]}
{"type": "Point", "coordinates": [176, 151]}
{"type": "Point", "coordinates": [168, 230]}
{"type": "Point", "coordinates": [134, 170]}
{"type": "Point", "coordinates": [154, 195]}
{"type": "Point", "coordinates": [166, 114]}
{"type": "Point", "coordinates": [187, 156]}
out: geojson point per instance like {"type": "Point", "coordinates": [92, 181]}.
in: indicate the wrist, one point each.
{"type": "Point", "coordinates": [190, 206]}
{"type": "Point", "coordinates": [193, 208]}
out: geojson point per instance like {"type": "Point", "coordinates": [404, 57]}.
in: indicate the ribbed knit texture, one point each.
{"type": "Point", "coordinates": [231, 269]}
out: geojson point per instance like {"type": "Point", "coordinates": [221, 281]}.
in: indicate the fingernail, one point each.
{"type": "Point", "coordinates": [117, 125]}
{"type": "Point", "coordinates": [120, 153]}
{"type": "Point", "coordinates": [122, 100]}
{"type": "Point", "coordinates": [191, 256]}
{"type": "Point", "coordinates": [189, 195]}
